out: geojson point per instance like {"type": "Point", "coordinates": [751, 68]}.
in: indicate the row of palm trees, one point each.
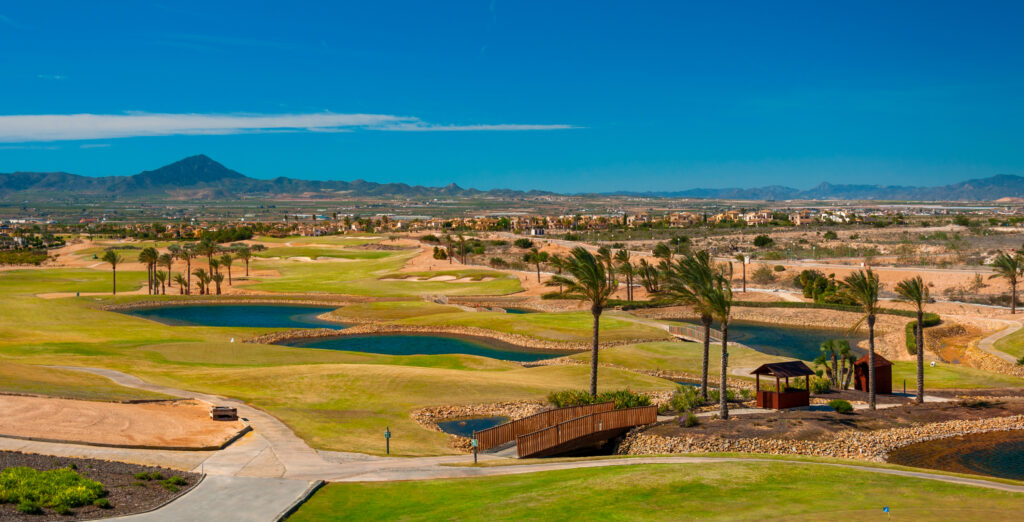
{"type": "Point", "coordinates": [696, 281]}
{"type": "Point", "coordinates": [207, 279]}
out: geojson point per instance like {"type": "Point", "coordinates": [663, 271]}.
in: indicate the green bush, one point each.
{"type": "Point", "coordinates": [714, 396]}
{"type": "Point", "coordinates": [762, 241]}
{"type": "Point", "coordinates": [762, 275]}
{"type": "Point", "coordinates": [686, 398]}
{"type": "Point", "coordinates": [779, 268]}
{"type": "Point", "coordinates": [689, 420]}
{"type": "Point", "coordinates": [176, 481]}
{"type": "Point", "coordinates": [747, 393]}
{"type": "Point", "coordinates": [523, 243]}
{"type": "Point", "coordinates": [1020, 362]}
{"type": "Point", "coordinates": [840, 406]}
{"type": "Point", "coordinates": [29, 507]}
{"type": "Point", "coordinates": [929, 320]}
{"type": "Point", "coordinates": [53, 488]}
{"type": "Point", "coordinates": [102, 503]}
{"type": "Point", "coordinates": [621, 398]}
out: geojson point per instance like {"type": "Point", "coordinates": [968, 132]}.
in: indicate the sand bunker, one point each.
{"type": "Point", "coordinates": [166, 424]}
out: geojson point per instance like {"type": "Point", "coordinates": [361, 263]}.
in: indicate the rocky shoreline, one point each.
{"type": "Point", "coordinates": [873, 446]}
{"type": "Point", "coordinates": [464, 331]}
{"type": "Point", "coordinates": [514, 410]}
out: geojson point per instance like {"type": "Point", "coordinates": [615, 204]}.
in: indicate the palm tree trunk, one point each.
{"type": "Point", "coordinates": [835, 369]}
{"type": "Point", "coordinates": [538, 272]}
{"type": "Point", "coordinates": [1013, 297]}
{"type": "Point", "coordinates": [723, 406]}
{"type": "Point", "coordinates": [229, 275]}
{"type": "Point", "coordinates": [920, 355]}
{"type": "Point", "coordinates": [706, 321]}
{"type": "Point", "coordinates": [114, 270]}
{"type": "Point", "coordinates": [871, 361]}
{"type": "Point", "coordinates": [246, 268]}
{"type": "Point", "coordinates": [188, 270]}
{"type": "Point", "coordinates": [744, 277]}
{"type": "Point", "coordinates": [593, 352]}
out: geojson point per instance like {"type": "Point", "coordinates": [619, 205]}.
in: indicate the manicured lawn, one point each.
{"type": "Point", "coordinates": [680, 356]}
{"type": "Point", "coordinates": [1012, 344]}
{"type": "Point", "coordinates": [39, 380]}
{"type": "Point", "coordinates": [729, 491]}
{"type": "Point", "coordinates": [945, 376]}
{"type": "Point", "coordinates": [318, 252]}
{"type": "Point", "coordinates": [564, 326]}
{"type": "Point", "coordinates": [391, 310]}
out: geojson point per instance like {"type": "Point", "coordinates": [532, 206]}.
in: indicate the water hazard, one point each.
{"type": "Point", "coordinates": [788, 341]}
{"type": "Point", "coordinates": [240, 315]}
{"type": "Point", "coordinates": [465, 427]}
{"type": "Point", "coordinates": [997, 454]}
{"type": "Point", "coordinates": [427, 345]}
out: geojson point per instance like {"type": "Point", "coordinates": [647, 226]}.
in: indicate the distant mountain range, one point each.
{"type": "Point", "coordinates": [199, 177]}
{"type": "Point", "coordinates": [985, 189]}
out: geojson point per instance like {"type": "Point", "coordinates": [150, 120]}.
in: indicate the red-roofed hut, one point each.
{"type": "Point", "coordinates": [883, 375]}
{"type": "Point", "coordinates": [783, 398]}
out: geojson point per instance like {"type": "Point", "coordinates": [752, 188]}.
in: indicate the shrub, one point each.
{"type": "Point", "coordinates": [176, 480]}
{"type": "Point", "coordinates": [763, 241]}
{"type": "Point", "coordinates": [763, 274]}
{"type": "Point", "coordinates": [523, 243]}
{"type": "Point", "coordinates": [714, 396]}
{"type": "Point", "coordinates": [1020, 362]}
{"type": "Point", "coordinates": [689, 420]}
{"type": "Point", "coordinates": [747, 393]}
{"type": "Point", "coordinates": [57, 488]}
{"type": "Point", "coordinates": [621, 398]}
{"type": "Point", "coordinates": [430, 238]}
{"type": "Point", "coordinates": [831, 235]}
{"type": "Point", "coordinates": [911, 339]}
{"type": "Point", "coordinates": [29, 507]}
{"type": "Point", "coordinates": [840, 406]}
{"type": "Point", "coordinates": [820, 385]}
{"type": "Point", "coordinates": [102, 503]}
{"type": "Point", "coordinates": [497, 262]}
{"type": "Point", "coordinates": [686, 398]}
{"type": "Point", "coordinates": [779, 268]}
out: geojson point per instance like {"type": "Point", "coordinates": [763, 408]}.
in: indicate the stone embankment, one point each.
{"type": "Point", "coordinates": [466, 331]}
{"type": "Point", "coordinates": [872, 446]}
{"type": "Point", "coordinates": [429, 417]}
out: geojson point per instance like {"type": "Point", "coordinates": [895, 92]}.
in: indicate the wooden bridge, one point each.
{"type": "Point", "coordinates": [694, 332]}
{"type": "Point", "coordinates": [565, 429]}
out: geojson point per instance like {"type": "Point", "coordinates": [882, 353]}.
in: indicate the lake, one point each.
{"type": "Point", "coordinates": [240, 315]}
{"type": "Point", "coordinates": [788, 341]}
{"type": "Point", "coordinates": [402, 344]}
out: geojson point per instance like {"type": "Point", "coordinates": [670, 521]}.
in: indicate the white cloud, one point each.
{"type": "Point", "coordinates": [59, 127]}
{"type": "Point", "coordinates": [51, 77]}
{"type": "Point", "coordinates": [93, 145]}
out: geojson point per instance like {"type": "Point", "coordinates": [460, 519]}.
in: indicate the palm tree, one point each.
{"type": "Point", "coordinates": [626, 268]}
{"type": "Point", "coordinates": [201, 278]}
{"type": "Point", "coordinates": [226, 260]}
{"type": "Point", "coordinates": [536, 257]}
{"type": "Point", "coordinates": [160, 280]}
{"type": "Point", "coordinates": [114, 259]}
{"type": "Point", "coordinates": [719, 303]}
{"type": "Point", "coordinates": [168, 261]}
{"type": "Point", "coordinates": [245, 254]}
{"type": "Point", "coordinates": [743, 261]}
{"type": "Point", "coordinates": [207, 248]}
{"type": "Point", "coordinates": [914, 290]}
{"type": "Point", "coordinates": [462, 248]}
{"type": "Point", "coordinates": [605, 255]}
{"type": "Point", "coordinates": [648, 275]}
{"type": "Point", "coordinates": [149, 257]}
{"type": "Point", "coordinates": [214, 266]}
{"type": "Point", "coordinates": [448, 240]}
{"type": "Point", "coordinates": [217, 278]}
{"type": "Point", "coordinates": [662, 251]}
{"type": "Point", "coordinates": [182, 283]}
{"type": "Point", "coordinates": [838, 352]}
{"type": "Point", "coordinates": [690, 281]}
{"type": "Point", "coordinates": [862, 287]}
{"type": "Point", "coordinates": [558, 263]}
{"type": "Point", "coordinates": [1010, 268]}
{"type": "Point", "coordinates": [186, 253]}
{"type": "Point", "coordinates": [587, 281]}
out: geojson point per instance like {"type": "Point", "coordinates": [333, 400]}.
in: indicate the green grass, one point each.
{"type": "Point", "coordinates": [318, 252]}
{"type": "Point", "coordinates": [946, 376]}
{"type": "Point", "coordinates": [728, 490]}
{"type": "Point", "coordinates": [680, 356]}
{"type": "Point", "coordinates": [563, 326]}
{"type": "Point", "coordinates": [1012, 344]}
{"type": "Point", "coordinates": [38, 380]}
{"type": "Point", "coordinates": [390, 310]}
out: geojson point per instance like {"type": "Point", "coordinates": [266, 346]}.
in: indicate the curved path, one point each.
{"type": "Point", "coordinates": [264, 474]}
{"type": "Point", "coordinates": [988, 344]}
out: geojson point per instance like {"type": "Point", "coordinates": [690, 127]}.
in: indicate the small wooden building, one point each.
{"type": "Point", "coordinates": [883, 375]}
{"type": "Point", "coordinates": [783, 397]}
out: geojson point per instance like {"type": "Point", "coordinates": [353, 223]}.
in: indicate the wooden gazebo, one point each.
{"type": "Point", "coordinates": [783, 398]}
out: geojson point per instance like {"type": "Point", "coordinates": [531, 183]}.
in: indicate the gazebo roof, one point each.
{"type": "Point", "coordinates": [879, 361]}
{"type": "Point", "coordinates": [784, 369]}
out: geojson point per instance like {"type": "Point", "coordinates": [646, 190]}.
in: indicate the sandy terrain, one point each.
{"type": "Point", "coordinates": [178, 424]}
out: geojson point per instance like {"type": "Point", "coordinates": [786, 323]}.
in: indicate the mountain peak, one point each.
{"type": "Point", "coordinates": [193, 170]}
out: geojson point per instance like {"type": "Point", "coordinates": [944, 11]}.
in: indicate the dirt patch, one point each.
{"type": "Point", "coordinates": [126, 494]}
{"type": "Point", "coordinates": [166, 424]}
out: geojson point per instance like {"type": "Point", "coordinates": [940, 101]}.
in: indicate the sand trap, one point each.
{"type": "Point", "coordinates": [166, 424]}
{"type": "Point", "coordinates": [442, 278]}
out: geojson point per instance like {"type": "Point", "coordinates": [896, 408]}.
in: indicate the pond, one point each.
{"type": "Point", "coordinates": [240, 315]}
{"type": "Point", "coordinates": [428, 345]}
{"type": "Point", "coordinates": [788, 341]}
{"type": "Point", "coordinates": [518, 311]}
{"type": "Point", "coordinates": [466, 426]}
{"type": "Point", "coordinates": [997, 454]}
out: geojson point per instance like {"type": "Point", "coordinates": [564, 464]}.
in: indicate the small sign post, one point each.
{"type": "Point", "coordinates": [475, 443]}
{"type": "Point", "coordinates": [387, 440]}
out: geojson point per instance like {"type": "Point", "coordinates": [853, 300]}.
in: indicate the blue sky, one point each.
{"type": "Point", "coordinates": [567, 96]}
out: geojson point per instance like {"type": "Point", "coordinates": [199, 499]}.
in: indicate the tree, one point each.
{"type": "Point", "coordinates": [536, 257]}
{"type": "Point", "coordinates": [1009, 267]}
{"type": "Point", "coordinates": [625, 267]}
{"type": "Point", "coordinates": [662, 251]}
{"type": "Point", "coordinates": [114, 259]}
{"type": "Point", "coordinates": [214, 266]}
{"type": "Point", "coordinates": [207, 248]}
{"type": "Point", "coordinates": [448, 240]}
{"type": "Point", "coordinates": [719, 299]}
{"type": "Point", "coordinates": [743, 261]}
{"type": "Point", "coordinates": [863, 287]}
{"type": "Point", "coordinates": [168, 261]}
{"type": "Point", "coordinates": [201, 279]}
{"type": "Point", "coordinates": [558, 263]}
{"type": "Point", "coordinates": [587, 280]}
{"type": "Point", "coordinates": [149, 257]}
{"type": "Point", "coordinates": [762, 241]}
{"type": "Point", "coordinates": [182, 283]}
{"type": "Point", "coordinates": [837, 351]}
{"type": "Point", "coordinates": [604, 254]}
{"type": "Point", "coordinates": [913, 290]}
{"type": "Point", "coordinates": [691, 281]}
{"type": "Point", "coordinates": [218, 278]}
{"type": "Point", "coordinates": [523, 243]}
{"type": "Point", "coordinates": [160, 277]}
{"type": "Point", "coordinates": [186, 254]}
{"type": "Point", "coordinates": [225, 261]}
{"type": "Point", "coordinates": [245, 254]}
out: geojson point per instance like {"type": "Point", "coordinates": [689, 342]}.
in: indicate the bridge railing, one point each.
{"type": "Point", "coordinates": [694, 332]}
{"type": "Point", "coordinates": [508, 432]}
{"type": "Point", "coordinates": [564, 432]}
